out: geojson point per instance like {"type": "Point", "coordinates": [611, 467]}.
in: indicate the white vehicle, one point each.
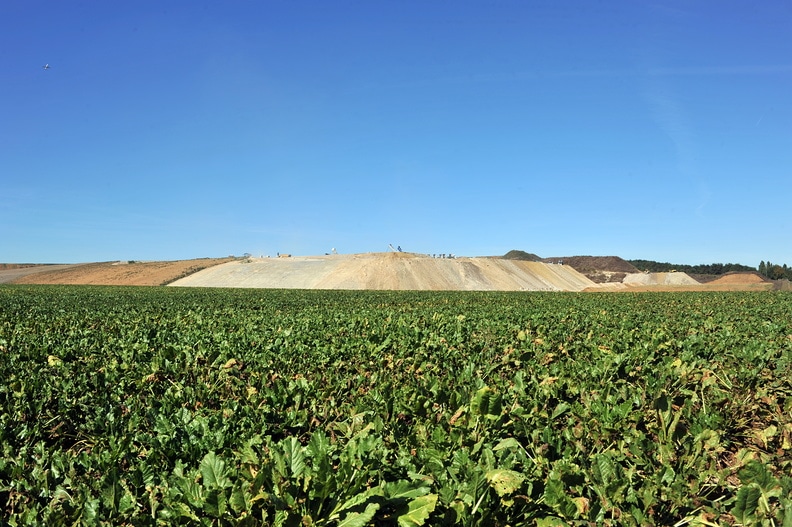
{"type": "Point", "coordinates": [45, 67]}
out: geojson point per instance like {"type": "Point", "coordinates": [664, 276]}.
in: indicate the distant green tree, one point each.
{"type": "Point", "coordinates": [776, 272]}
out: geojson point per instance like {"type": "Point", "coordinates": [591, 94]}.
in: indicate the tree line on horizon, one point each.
{"type": "Point", "coordinates": [766, 269]}
{"type": "Point", "coordinates": [775, 271]}
{"type": "Point", "coordinates": [712, 269]}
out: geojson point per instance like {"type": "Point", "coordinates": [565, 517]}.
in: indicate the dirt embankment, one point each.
{"type": "Point", "coordinates": [116, 273]}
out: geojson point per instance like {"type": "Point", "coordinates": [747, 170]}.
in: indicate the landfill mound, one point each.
{"type": "Point", "coordinates": [389, 271]}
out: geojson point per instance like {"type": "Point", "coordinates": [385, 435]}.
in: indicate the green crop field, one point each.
{"type": "Point", "coordinates": [167, 406]}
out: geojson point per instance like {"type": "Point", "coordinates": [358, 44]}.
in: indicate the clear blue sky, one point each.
{"type": "Point", "coordinates": [175, 129]}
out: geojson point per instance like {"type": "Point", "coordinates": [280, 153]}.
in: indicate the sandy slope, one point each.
{"type": "Point", "coordinates": [118, 273]}
{"type": "Point", "coordinates": [390, 271]}
{"type": "Point", "coordinates": [659, 279]}
{"type": "Point", "coordinates": [10, 273]}
{"type": "Point", "coordinates": [740, 278]}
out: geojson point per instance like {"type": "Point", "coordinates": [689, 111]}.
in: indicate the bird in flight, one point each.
{"type": "Point", "coordinates": [45, 67]}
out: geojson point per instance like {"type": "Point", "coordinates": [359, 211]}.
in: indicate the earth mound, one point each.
{"type": "Point", "coordinates": [739, 278]}
{"type": "Point", "coordinates": [659, 279]}
{"type": "Point", "coordinates": [390, 271]}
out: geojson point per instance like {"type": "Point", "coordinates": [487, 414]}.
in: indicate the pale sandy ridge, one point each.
{"type": "Point", "coordinates": [390, 271]}
{"type": "Point", "coordinates": [659, 279]}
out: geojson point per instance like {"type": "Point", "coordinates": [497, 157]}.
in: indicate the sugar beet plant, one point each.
{"type": "Point", "coordinates": [160, 406]}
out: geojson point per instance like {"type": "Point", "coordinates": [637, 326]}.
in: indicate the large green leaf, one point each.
{"type": "Point", "coordinates": [418, 511]}
{"type": "Point", "coordinates": [505, 481]}
{"type": "Point", "coordinates": [758, 473]}
{"type": "Point", "coordinates": [507, 444]}
{"type": "Point", "coordinates": [216, 503]}
{"type": "Point", "coordinates": [403, 489]}
{"type": "Point", "coordinates": [556, 496]}
{"type": "Point", "coordinates": [360, 519]}
{"type": "Point", "coordinates": [358, 499]}
{"type": "Point", "coordinates": [112, 491]}
{"type": "Point", "coordinates": [747, 503]}
{"type": "Point", "coordinates": [604, 472]}
{"type": "Point", "coordinates": [213, 471]}
{"type": "Point", "coordinates": [295, 457]}
{"type": "Point", "coordinates": [486, 402]}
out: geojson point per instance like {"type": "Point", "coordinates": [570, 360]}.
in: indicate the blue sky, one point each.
{"type": "Point", "coordinates": [172, 129]}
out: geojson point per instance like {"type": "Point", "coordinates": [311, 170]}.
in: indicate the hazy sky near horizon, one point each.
{"type": "Point", "coordinates": [171, 129]}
